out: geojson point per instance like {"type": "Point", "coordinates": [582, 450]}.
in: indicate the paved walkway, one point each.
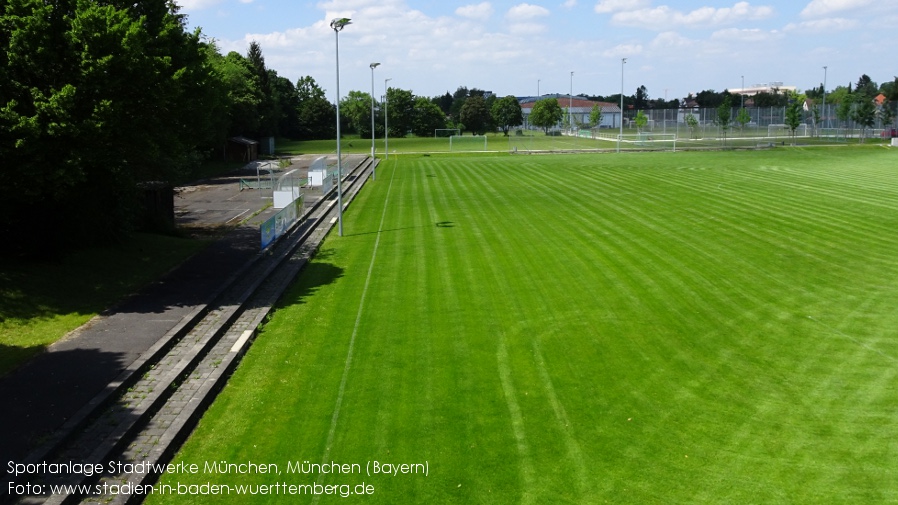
{"type": "Point", "coordinates": [41, 395]}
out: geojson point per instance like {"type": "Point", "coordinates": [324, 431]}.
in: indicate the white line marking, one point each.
{"type": "Point", "coordinates": [242, 340]}
{"type": "Point", "coordinates": [333, 220]}
{"type": "Point", "coordinates": [355, 330]}
{"type": "Point", "coordinates": [517, 419]}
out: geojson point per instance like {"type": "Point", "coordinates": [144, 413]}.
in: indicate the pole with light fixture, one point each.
{"type": "Point", "coordinates": [338, 24]}
{"type": "Point", "coordinates": [386, 121]}
{"type": "Point", "coordinates": [570, 105]}
{"type": "Point", "coordinates": [373, 170]}
{"type": "Point", "coordinates": [824, 98]}
{"type": "Point", "coordinates": [621, 135]}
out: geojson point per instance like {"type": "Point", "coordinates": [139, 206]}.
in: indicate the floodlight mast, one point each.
{"type": "Point", "coordinates": [621, 135]}
{"type": "Point", "coordinates": [570, 105]}
{"type": "Point", "coordinates": [824, 98]}
{"type": "Point", "coordinates": [373, 164]}
{"type": "Point", "coordinates": [338, 24]}
{"type": "Point", "coordinates": [386, 122]}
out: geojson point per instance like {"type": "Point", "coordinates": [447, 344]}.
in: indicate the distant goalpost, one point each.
{"type": "Point", "coordinates": [446, 132]}
{"type": "Point", "coordinates": [649, 141]}
{"type": "Point", "coordinates": [782, 130]}
{"type": "Point", "coordinates": [459, 143]}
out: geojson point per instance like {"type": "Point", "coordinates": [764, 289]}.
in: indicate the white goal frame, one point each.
{"type": "Point", "coordinates": [467, 143]}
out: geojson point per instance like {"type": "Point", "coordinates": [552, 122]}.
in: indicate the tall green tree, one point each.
{"type": "Point", "coordinates": [316, 115]}
{"type": "Point", "coordinates": [427, 117]}
{"type": "Point", "coordinates": [864, 114]}
{"type": "Point", "coordinates": [595, 116]}
{"type": "Point", "coordinates": [724, 117]}
{"type": "Point", "coordinates": [401, 111]}
{"type": "Point", "coordinates": [507, 112]}
{"type": "Point", "coordinates": [546, 113]}
{"type": "Point", "coordinates": [794, 116]}
{"type": "Point", "coordinates": [475, 115]}
{"type": "Point", "coordinates": [94, 98]}
{"type": "Point", "coordinates": [356, 108]}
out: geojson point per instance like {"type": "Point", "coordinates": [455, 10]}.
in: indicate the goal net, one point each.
{"type": "Point", "coordinates": [649, 141]}
{"type": "Point", "coordinates": [781, 130]}
{"type": "Point", "coordinates": [458, 143]}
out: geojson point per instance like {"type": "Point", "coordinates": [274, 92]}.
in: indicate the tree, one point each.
{"type": "Point", "coordinates": [864, 114]}
{"type": "Point", "coordinates": [692, 123]}
{"type": "Point", "coordinates": [641, 98]}
{"type": "Point", "coordinates": [546, 113]}
{"type": "Point", "coordinates": [401, 111]}
{"type": "Point", "coordinates": [866, 87]}
{"type": "Point", "coordinates": [94, 98]}
{"type": "Point", "coordinates": [507, 112]}
{"type": "Point", "coordinates": [475, 115]}
{"type": "Point", "coordinates": [794, 116]}
{"type": "Point", "coordinates": [356, 108]}
{"type": "Point", "coordinates": [641, 120]}
{"type": "Point", "coordinates": [427, 117]}
{"type": "Point", "coordinates": [886, 113]}
{"type": "Point", "coordinates": [267, 108]}
{"type": "Point", "coordinates": [724, 117]}
{"type": "Point", "coordinates": [317, 116]}
{"type": "Point", "coordinates": [595, 116]}
{"type": "Point", "coordinates": [444, 102]}
{"type": "Point", "coordinates": [743, 118]}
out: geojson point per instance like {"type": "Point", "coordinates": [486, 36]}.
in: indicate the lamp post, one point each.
{"type": "Point", "coordinates": [537, 88]}
{"type": "Point", "coordinates": [742, 92]}
{"type": "Point", "coordinates": [338, 24]}
{"type": "Point", "coordinates": [373, 170]}
{"type": "Point", "coordinates": [386, 122]}
{"type": "Point", "coordinates": [621, 135]}
{"type": "Point", "coordinates": [570, 104]}
{"type": "Point", "coordinates": [824, 97]}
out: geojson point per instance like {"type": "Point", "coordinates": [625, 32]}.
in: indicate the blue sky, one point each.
{"type": "Point", "coordinates": [511, 47]}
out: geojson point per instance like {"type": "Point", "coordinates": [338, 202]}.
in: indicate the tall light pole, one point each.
{"type": "Point", "coordinates": [742, 92]}
{"type": "Point", "coordinates": [373, 171]}
{"type": "Point", "coordinates": [824, 97]}
{"type": "Point", "coordinates": [537, 88]}
{"type": "Point", "coordinates": [621, 135]}
{"type": "Point", "coordinates": [570, 105]}
{"type": "Point", "coordinates": [386, 122]}
{"type": "Point", "coordinates": [338, 24]}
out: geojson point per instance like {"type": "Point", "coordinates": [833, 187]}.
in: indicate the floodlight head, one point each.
{"type": "Point", "coordinates": [339, 23]}
{"type": "Point", "coordinates": [373, 65]}
{"type": "Point", "coordinates": [623, 60]}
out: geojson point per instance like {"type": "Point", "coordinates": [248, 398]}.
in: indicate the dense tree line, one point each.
{"type": "Point", "coordinates": [99, 96]}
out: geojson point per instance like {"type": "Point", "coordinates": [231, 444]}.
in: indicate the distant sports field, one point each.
{"type": "Point", "coordinates": [638, 328]}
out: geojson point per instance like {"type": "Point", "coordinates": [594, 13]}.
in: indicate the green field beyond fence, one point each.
{"type": "Point", "coordinates": [653, 328]}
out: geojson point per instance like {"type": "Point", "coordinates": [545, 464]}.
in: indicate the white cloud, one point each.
{"type": "Point", "coordinates": [623, 51]}
{"type": "Point", "coordinates": [609, 6]}
{"type": "Point", "coordinates": [480, 11]}
{"type": "Point", "coordinates": [825, 7]}
{"type": "Point", "coordinates": [194, 5]}
{"type": "Point", "coordinates": [523, 12]}
{"type": "Point", "coordinates": [569, 4]}
{"type": "Point", "coordinates": [664, 16]}
{"type": "Point", "coordinates": [744, 35]}
{"type": "Point", "coordinates": [822, 25]}
{"type": "Point", "coordinates": [526, 28]}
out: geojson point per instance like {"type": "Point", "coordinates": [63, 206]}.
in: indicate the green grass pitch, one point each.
{"type": "Point", "coordinates": [641, 328]}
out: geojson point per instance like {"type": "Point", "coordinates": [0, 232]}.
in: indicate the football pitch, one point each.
{"type": "Point", "coordinates": [642, 328]}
